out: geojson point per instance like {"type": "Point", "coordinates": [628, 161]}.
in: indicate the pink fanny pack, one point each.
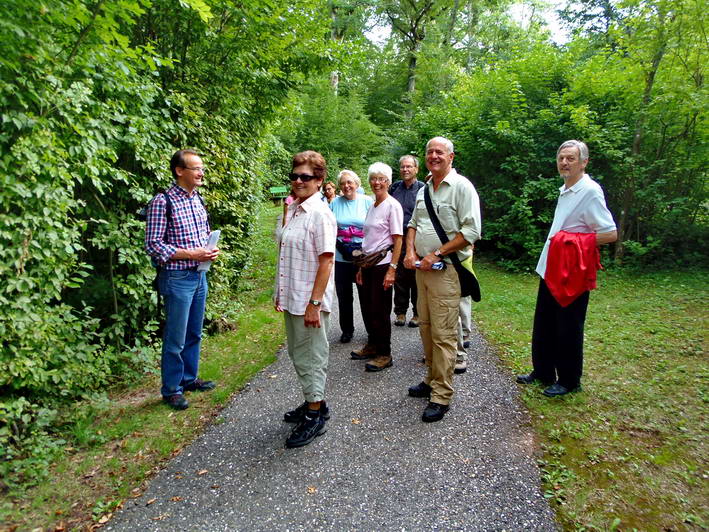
{"type": "Point", "coordinates": [347, 233]}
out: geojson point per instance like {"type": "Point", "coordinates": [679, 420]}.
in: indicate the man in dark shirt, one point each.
{"type": "Point", "coordinates": [405, 283]}
{"type": "Point", "coordinates": [178, 245]}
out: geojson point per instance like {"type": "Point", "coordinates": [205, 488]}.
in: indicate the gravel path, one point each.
{"type": "Point", "coordinates": [377, 468]}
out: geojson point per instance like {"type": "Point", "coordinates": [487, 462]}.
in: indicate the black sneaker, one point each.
{"type": "Point", "coordinates": [297, 415]}
{"type": "Point", "coordinates": [420, 390]}
{"type": "Point", "coordinates": [177, 402]}
{"type": "Point", "coordinates": [198, 385]}
{"type": "Point", "coordinates": [312, 426]}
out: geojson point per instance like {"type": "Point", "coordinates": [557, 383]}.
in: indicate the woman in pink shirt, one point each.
{"type": "Point", "coordinates": [382, 230]}
{"type": "Point", "coordinates": [305, 291]}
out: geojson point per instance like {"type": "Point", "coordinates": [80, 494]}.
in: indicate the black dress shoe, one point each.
{"type": "Point", "coordinates": [346, 338]}
{"type": "Point", "coordinates": [531, 379]}
{"type": "Point", "coordinates": [434, 412]}
{"type": "Point", "coordinates": [198, 385]}
{"type": "Point", "coordinates": [420, 390]}
{"type": "Point", "coordinates": [176, 402]}
{"type": "Point", "coordinates": [556, 390]}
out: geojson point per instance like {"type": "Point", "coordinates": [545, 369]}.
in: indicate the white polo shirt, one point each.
{"type": "Point", "coordinates": [580, 209]}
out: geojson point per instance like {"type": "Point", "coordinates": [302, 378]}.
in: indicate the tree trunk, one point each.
{"type": "Point", "coordinates": [411, 82]}
{"type": "Point", "coordinates": [334, 80]}
{"type": "Point", "coordinates": [451, 24]}
{"type": "Point", "coordinates": [625, 222]}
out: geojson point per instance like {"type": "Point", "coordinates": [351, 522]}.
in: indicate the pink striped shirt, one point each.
{"type": "Point", "coordinates": [309, 232]}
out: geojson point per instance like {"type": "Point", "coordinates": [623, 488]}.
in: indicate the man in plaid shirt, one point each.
{"type": "Point", "coordinates": [177, 243]}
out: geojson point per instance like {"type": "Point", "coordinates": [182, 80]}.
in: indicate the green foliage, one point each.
{"type": "Point", "coordinates": [115, 445]}
{"type": "Point", "coordinates": [95, 97]}
{"type": "Point", "coordinates": [335, 125]}
{"type": "Point", "coordinates": [28, 449]}
{"type": "Point", "coordinates": [508, 118]}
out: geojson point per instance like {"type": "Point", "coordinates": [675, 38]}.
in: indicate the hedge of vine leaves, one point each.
{"type": "Point", "coordinates": [94, 98]}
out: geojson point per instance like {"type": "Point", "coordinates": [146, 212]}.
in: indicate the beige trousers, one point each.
{"type": "Point", "coordinates": [438, 300]}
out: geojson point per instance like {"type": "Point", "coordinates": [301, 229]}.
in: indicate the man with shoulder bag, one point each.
{"type": "Point", "coordinates": [453, 201]}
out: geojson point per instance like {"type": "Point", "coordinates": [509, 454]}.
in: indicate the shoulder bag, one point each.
{"type": "Point", "coordinates": [469, 285]}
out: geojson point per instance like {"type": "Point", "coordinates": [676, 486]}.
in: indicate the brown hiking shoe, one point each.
{"type": "Point", "coordinates": [368, 351]}
{"type": "Point", "coordinates": [400, 320]}
{"type": "Point", "coordinates": [414, 322]}
{"type": "Point", "coordinates": [379, 363]}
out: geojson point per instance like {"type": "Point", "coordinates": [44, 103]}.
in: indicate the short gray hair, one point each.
{"type": "Point", "coordinates": [380, 169]}
{"type": "Point", "coordinates": [443, 140]}
{"type": "Point", "coordinates": [581, 146]}
{"type": "Point", "coordinates": [412, 157]}
{"type": "Point", "coordinates": [350, 174]}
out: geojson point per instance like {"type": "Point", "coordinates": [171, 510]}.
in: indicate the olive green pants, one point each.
{"type": "Point", "coordinates": [309, 351]}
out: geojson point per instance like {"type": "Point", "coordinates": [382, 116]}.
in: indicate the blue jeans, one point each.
{"type": "Point", "coordinates": [185, 296]}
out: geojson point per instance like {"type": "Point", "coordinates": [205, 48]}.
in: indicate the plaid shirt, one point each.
{"type": "Point", "coordinates": [188, 228]}
{"type": "Point", "coordinates": [309, 232]}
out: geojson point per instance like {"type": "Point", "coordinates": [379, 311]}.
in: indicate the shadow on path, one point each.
{"type": "Point", "coordinates": [377, 468]}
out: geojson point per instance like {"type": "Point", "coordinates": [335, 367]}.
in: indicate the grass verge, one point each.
{"type": "Point", "coordinates": [117, 446]}
{"type": "Point", "coordinates": [630, 451]}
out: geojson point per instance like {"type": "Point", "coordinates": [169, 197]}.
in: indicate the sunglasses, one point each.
{"type": "Point", "coordinates": [303, 177]}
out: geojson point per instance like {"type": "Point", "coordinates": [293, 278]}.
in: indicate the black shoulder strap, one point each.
{"type": "Point", "coordinates": [201, 199]}
{"type": "Point", "coordinates": [168, 209]}
{"type": "Point", "coordinates": [168, 205]}
{"type": "Point", "coordinates": [168, 212]}
{"type": "Point", "coordinates": [437, 224]}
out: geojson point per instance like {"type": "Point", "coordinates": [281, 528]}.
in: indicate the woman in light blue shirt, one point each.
{"type": "Point", "coordinates": [350, 211]}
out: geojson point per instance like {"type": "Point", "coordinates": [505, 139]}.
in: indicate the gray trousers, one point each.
{"type": "Point", "coordinates": [464, 327]}
{"type": "Point", "coordinates": [309, 351]}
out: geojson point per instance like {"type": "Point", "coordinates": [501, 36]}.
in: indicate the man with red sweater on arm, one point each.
{"type": "Point", "coordinates": [567, 267]}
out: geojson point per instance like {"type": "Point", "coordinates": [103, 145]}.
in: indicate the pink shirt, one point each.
{"type": "Point", "coordinates": [381, 223]}
{"type": "Point", "coordinates": [309, 232]}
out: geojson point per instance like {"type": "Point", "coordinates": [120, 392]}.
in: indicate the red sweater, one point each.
{"type": "Point", "coordinates": [572, 265]}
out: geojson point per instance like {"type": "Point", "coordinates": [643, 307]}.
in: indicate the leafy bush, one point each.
{"type": "Point", "coordinates": [28, 449]}
{"type": "Point", "coordinates": [96, 97]}
{"type": "Point", "coordinates": [507, 119]}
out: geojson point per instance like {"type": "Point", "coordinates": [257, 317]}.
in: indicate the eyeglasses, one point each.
{"type": "Point", "coordinates": [378, 179]}
{"type": "Point", "coordinates": [303, 177]}
{"type": "Point", "coordinates": [196, 169]}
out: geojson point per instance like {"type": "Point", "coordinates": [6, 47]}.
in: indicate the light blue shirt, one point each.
{"type": "Point", "coordinates": [350, 213]}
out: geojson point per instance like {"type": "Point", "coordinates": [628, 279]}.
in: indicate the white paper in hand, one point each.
{"type": "Point", "coordinates": [211, 244]}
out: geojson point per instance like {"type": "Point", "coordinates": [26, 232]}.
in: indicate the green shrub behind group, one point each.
{"type": "Point", "coordinates": [639, 105]}
{"type": "Point", "coordinates": [95, 98]}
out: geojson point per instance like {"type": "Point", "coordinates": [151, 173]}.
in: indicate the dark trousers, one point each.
{"type": "Point", "coordinates": [557, 339]}
{"type": "Point", "coordinates": [376, 308]}
{"type": "Point", "coordinates": [344, 278]}
{"type": "Point", "coordinates": [404, 287]}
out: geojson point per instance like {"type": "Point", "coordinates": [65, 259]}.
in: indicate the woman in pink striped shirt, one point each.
{"type": "Point", "coordinates": [305, 291]}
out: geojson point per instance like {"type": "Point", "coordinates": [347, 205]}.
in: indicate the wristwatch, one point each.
{"type": "Point", "coordinates": [315, 302]}
{"type": "Point", "coordinates": [392, 265]}
{"type": "Point", "coordinates": [437, 253]}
